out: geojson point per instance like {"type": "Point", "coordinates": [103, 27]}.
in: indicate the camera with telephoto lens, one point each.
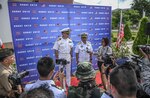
{"type": "Point", "coordinates": [108, 62]}
{"type": "Point", "coordinates": [15, 79]}
{"type": "Point", "coordinates": [145, 48]}
{"type": "Point", "coordinates": [61, 62]}
{"type": "Point", "coordinates": [137, 64]}
{"type": "Point", "coordinates": [107, 59]}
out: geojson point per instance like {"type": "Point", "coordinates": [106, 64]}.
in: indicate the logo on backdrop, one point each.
{"type": "Point", "coordinates": [36, 26]}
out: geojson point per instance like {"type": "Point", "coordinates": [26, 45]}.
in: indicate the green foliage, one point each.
{"type": "Point", "coordinates": [141, 5]}
{"type": "Point", "coordinates": [133, 37]}
{"type": "Point", "coordinates": [122, 51]}
{"type": "Point", "coordinates": [141, 38]}
{"type": "Point", "coordinates": [130, 16]}
{"type": "Point", "coordinates": [127, 32]}
{"type": "Point", "coordinates": [114, 39]}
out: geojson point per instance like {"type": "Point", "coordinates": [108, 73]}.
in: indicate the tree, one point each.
{"type": "Point", "coordinates": [141, 38]}
{"type": "Point", "coordinates": [141, 6]}
{"type": "Point", "coordinates": [127, 32]}
{"type": "Point", "coordinates": [130, 16]}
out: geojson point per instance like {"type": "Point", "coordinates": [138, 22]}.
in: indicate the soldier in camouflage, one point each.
{"type": "Point", "coordinates": [87, 87]}
{"type": "Point", "coordinates": [145, 78]}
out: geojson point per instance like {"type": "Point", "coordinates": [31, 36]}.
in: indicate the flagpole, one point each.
{"type": "Point", "coordinates": [119, 36]}
{"type": "Point", "coordinates": [118, 4]}
{"type": "Point", "coordinates": [120, 20]}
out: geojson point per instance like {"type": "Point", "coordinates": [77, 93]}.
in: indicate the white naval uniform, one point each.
{"type": "Point", "coordinates": [58, 93]}
{"type": "Point", "coordinates": [82, 49]}
{"type": "Point", "coordinates": [64, 48]}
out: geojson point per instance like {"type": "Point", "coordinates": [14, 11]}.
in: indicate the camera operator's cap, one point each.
{"type": "Point", "coordinates": [5, 52]}
{"type": "Point", "coordinates": [84, 34]}
{"type": "Point", "coordinates": [66, 30]}
{"type": "Point", "coordinates": [85, 71]}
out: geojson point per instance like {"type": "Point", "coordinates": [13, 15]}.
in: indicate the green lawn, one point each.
{"type": "Point", "coordinates": [116, 32]}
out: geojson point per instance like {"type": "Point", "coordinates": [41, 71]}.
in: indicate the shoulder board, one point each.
{"type": "Point", "coordinates": [59, 38]}
{"type": "Point", "coordinates": [79, 43]}
{"type": "Point", "coordinates": [56, 86]}
{"type": "Point", "coordinates": [69, 39]}
{"type": "Point", "coordinates": [88, 42]}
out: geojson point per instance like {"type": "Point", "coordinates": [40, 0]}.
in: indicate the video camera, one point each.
{"type": "Point", "coordinates": [15, 79]}
{"type": "Point", "coordinates": [145, 48]}
{"type": "Point", "coordinates": [62, 62]}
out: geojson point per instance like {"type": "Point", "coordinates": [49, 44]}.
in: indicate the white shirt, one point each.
{"type": "Point", "coordinates": [82, 49]}
{"type": "Point", "coordinates": [57, 92]}
{"type": "Point", "coordinates": [63, 45]}
{"type": "Point", "coordinates": [104, 95]}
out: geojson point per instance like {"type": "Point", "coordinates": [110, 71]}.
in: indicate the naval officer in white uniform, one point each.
{"type": "Point", "coordinates": [84, 50]}
{"type": "Point", "coordinates": [63, 50]}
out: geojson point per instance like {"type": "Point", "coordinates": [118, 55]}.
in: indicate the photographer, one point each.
{"type": "Point", "coordinates": [45, 67]}
{"type": "Point", "coordinates": [103, 51]}
{"type": "Point", "coordinates": [40, 92]}
{"type": "Point", "coordinates": [121, 83]}
{"type": "Point", "coordinates": [6, 60]}
{"type": "Point", "coordinates": [145, 70]}
{"type": "Point", "coordinates": [87, 87]}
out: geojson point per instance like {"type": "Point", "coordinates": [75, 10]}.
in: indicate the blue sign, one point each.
{"type": "Point", "coordinates": [36, 26]}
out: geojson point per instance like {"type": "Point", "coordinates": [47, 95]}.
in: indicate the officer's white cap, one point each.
{"type": "Point", "coordinates": [65, 29]}
{"type": "Point", "coordinates": [84, 34]}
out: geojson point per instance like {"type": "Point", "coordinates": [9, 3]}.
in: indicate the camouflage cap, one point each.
{"type": "Point", "coordinates": [84, 34]}
{"type": "Point", "coordinates": [5, 52]}
{"type": "Point", "coordinates": [85, 71]}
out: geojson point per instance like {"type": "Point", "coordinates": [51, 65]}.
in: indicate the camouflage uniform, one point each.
{"type": "Point", "coordinates": [87, 87]}
{"type": "Point", "coordinates": [145, 78]}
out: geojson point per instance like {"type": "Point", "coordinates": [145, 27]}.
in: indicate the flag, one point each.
{"type": "Point", "coordinates": [1, 44]}
{"type": "Point", "coordinates": [120, 33]}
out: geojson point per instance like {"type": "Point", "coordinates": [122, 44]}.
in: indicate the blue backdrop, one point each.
{"type": "Point", "coordinates": [36, 26]}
